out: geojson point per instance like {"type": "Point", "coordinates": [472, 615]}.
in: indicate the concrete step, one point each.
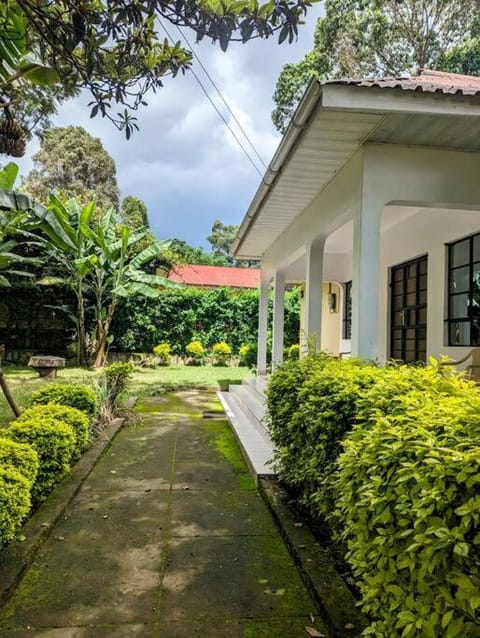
{"type": "Point", "coordinates": [252, 400]}
{"type": "Point", "coordinates": [252, 384]}
{"type": "Point", "coordinates": [253, 439]}
{"type": "Point", "coordinates": [258, 383]}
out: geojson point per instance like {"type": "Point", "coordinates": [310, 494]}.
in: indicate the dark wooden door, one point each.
{"type": "Point", "coordinates": [409, 311]}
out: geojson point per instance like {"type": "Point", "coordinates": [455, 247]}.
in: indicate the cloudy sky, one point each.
{"type": "Point", "coordinates": [184, 163]}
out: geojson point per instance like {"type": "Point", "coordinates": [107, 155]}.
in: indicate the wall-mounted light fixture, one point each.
{"type": "Point", "coordinates": [332, 300]}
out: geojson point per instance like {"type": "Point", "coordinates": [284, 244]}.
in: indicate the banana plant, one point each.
{"type": "Point", "coordinates": [115, 276]}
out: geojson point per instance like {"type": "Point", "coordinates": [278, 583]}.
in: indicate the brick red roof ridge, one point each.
{"type": "Point", "coordinates": [215, 276]}
{"type": "Point", "coordinates": [427, 80]}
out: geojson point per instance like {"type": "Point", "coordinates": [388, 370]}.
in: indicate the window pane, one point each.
{"type": "Point", "coordinates": [422, 315]}
{"type": "Point", "coordinates": [476, 248]}
{"type": "Point", "coordinates": [459, 307]}
{"type": "Point", "coordinates": [460, 279]}
{"type": "Point", "coordinates": [460, 253]}
{"type": "Point", "coordinates": [475, 333]}
{"type": "Point", "coordinates": [422, 284]}
{"type": "Point", "coordinates": [460, 333]}
{"type": "Point", "coordinates": [422, 297]}
{"type": "Point", "coordinates": [423, 266]}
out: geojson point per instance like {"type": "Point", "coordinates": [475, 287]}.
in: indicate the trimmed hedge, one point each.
{"type": "Point", "coordinates": [54, 442]}
{"type": "Point", "coordinates": [14, 502]}
{"type": "Point", "coordinates": [79, 396]}
{"type": "Point", "coordinates": [390, 458]}
{"type": "Point", "coordinates": [21, 457]}
{"type": "Point", "coordinates": [183, 315]}
{"type": "Point", "coordinates": [77, 419]}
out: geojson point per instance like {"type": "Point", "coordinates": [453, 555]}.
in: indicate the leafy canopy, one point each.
{"type": "Point", "coordinates": [116, 50]}
{"type": "Point", "coordinates": [73, 163]}
{"type": "Point", "coordinates": [363, 38]}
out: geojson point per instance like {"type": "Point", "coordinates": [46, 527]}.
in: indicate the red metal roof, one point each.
{"type": "Point", "coordinates": [427, 81]}
{"type": "Point", "coordinates": [215, 276]}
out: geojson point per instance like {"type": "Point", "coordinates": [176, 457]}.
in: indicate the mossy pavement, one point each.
{"type": "Point", "coordinates": [167, 538]}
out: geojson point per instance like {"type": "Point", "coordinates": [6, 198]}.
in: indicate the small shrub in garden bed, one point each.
{"type": "Point", "coordinates": [390, 458]}
{"type": "Point", "coordinates": [110, 387]}
{"type": "Point", "coordinates": [248, 355]}
{"type": "Point", "coordinates": [292, 353]}
{"type": "Point", "coordinates": [21, 457]}
{"type": "Point", "coordinates": [77, 419]}
{"type": "Point", "coordinates": [221, 353]}
{"type": "Point", "coordinates": [54, 442]}
{"type": "Point", "coordinates": [195, 352]}
{"type": "Point", "coordinates": [14, 502]}
{"type": "Point", "coordinates": [79, 396]}
{"type": "Point", "coordinates": [163, 354]}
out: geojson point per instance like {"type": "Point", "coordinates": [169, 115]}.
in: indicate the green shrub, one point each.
{"type": "Point", "coordinates": [221, 353]}
{"type": "Point", "coordinates": [163, 353]}
{"type": "Point", "coordinates": [409, 486]}
{"type": "Point", "coordinates": [77, 419]}
{"type": "Point", "coordinates": [54, 442]}
{"type": "Point", "coordinates": [21, 457]}
{"type": "Point", "coordinates": [14, 502]}
{"type": "Point", "coordinates": [292, 353]}
{"type": "Point", "coordinates": [110, 388]}
{"type": "Point", "coordinates": [248, 355]}
{"type": "Point", "coordinates": [79, 396]}
{"type": "Point", "coordinates": [195, 351]}
{"type": "Point", "coordinates": [390, 459]}
{"type": "Point", "coordinates": [312, 405]}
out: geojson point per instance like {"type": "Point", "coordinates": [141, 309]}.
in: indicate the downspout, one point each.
{"type": "Point", "coordinates": [292, 135]}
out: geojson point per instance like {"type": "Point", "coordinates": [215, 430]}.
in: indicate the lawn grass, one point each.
{"type": "Point", "coordinates": [145, 381]}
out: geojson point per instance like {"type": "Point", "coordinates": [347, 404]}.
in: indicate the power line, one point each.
{"type": "Point", "coordinates": [220, 114]}
{"type": "Point", "coordinates": [195, 55]}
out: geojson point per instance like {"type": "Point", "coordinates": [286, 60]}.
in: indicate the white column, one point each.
{"type": "Point", "coordinates": [278, 317]}
{"type": "Point", "coordinates": [313, 294]}
{"type": "Point", "coordinates": [262, 325]}
{"type": "Point", "coordinates": [365, 281]}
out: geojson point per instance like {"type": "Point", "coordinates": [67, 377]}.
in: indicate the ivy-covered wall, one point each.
{"type": "Point", "coordinates": [209, 315]}
{"type": "Point", "coordinates": [32, 323]}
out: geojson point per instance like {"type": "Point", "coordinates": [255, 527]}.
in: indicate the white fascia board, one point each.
{"type": "Point", "coordinates": [396, 100]}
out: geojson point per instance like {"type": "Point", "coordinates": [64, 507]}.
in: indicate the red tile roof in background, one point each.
{"type": "Point", "coordinates": [215, 276]}
{"type": "Point", "coordinates": [427, 81]}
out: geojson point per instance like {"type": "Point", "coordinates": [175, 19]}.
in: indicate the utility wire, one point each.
{"type": "Point", "coordinates": [195, 55]}
{"type": "Point", "coordinates": [220, 114]}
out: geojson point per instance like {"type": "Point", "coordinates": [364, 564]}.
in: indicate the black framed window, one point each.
{"type": "Point", "coordinates": [463, 311]}
{"type": "Point", "coordinates": [347, 310]}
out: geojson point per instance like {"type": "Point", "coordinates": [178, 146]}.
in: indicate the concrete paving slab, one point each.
{"type": "Point", "coordinates": [167, 538]}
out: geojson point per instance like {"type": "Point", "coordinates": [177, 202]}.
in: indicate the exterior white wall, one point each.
{"type": "Point", "coordinates": [331, 321]}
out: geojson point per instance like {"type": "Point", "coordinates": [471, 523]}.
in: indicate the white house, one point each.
{"type": "Point", "coordinates": [372, 203]}
{"type": "Point", "coordinates": [374, 192]}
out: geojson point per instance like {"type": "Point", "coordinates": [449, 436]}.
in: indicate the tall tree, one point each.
{"type": "Point", "coordinates": [118, 52]}
{"type": "Point", "coordinates": [72, 163]}
{"type": "Point", "coordinates": [221, 239]}
{"type": "Point", "coordinates": [134, 213]}
{"type": "Point", "coordinates": [362, 38]}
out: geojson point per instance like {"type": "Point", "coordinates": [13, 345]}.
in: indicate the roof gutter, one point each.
{"type": "Point", "coordinates": [292, 135]}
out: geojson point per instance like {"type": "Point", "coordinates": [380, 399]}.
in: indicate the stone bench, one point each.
{"type": "Point", "coordinates": [46, 366]}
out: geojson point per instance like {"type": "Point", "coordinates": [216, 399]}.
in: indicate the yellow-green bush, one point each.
{"type": "Point", "coordinates": [14, 502]}
{"type": "Point", "coordinates": [221, 353]}
{"type": "Point", "coordinates": [163, 352]}
{"type": "Point", "coordinates": [54, 442]}
{"type": "Point", "coordinates": [292, 353]}
{"type": "Point", "coordinates": [195, 352]}
{"type": "Point", "coordinates": [78, 396]}
{"type": "Point", "coordinates": [248, 355]}
{"type": "Point", "coordinates": [77, 419]}
{"type": "Point", "coordinates": [21, 457]}
{"type": "Point", "coordinates": [391, 459]}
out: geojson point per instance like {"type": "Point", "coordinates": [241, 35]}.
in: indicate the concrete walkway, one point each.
{"type": "Point", "coordinates": [167, 538]}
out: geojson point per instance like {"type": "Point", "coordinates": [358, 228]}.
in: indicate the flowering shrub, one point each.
{"type": "Point", "coordinates": [163, 354]}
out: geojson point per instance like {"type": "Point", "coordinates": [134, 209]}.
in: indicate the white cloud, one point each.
{"type": "Point", "coordinates": [184, 162]}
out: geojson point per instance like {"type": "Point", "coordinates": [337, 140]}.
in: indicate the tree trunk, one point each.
{"type": "Point", "coordinates": [103, 330]}
{"type": "Point", "coordinates": [82, 354]}
{"type": "Point", "coordinates": [8, 394]}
